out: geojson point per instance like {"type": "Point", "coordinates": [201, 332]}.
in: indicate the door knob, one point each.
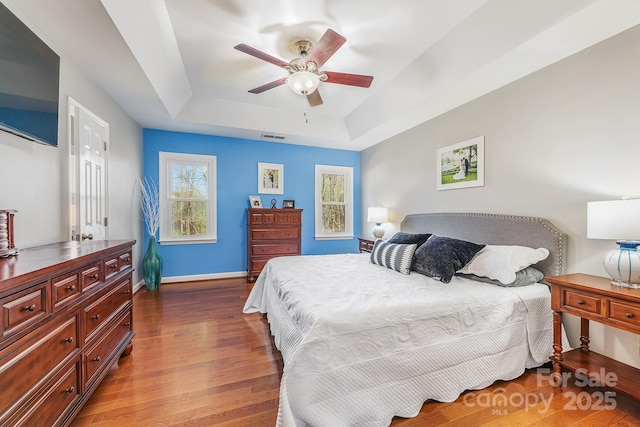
{"type": "Point", "coordinates": [87, 236]}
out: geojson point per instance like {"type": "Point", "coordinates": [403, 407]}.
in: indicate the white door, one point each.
{"type": "Point", "coordinates": [89, 197]}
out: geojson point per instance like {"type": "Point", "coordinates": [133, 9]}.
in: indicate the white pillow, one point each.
{"type": "Point", "coordinates": [501, 262]}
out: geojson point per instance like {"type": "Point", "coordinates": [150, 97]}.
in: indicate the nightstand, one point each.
{"type": "Point", "coordinates": [365, 244]}
{"type": "Point", "coordinates": [595, 298]}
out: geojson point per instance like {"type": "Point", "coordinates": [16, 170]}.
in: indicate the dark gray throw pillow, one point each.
{"type": "Point", "coordinates": [440, 257]}
{"type": "Point", "coordinates": [409, 238]}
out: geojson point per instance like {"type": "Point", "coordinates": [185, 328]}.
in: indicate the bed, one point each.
{"type": "Point", "coordinates": [362, 343]}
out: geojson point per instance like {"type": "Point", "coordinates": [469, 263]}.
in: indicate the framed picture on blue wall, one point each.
{"type": "Point", "coordinates": [270, 178]}
{"type": "Point", "coordinates": [255, 202]}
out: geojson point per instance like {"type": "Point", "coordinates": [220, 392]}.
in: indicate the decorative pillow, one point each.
{"type": "Point", "coordinates": [395, 256]}
{"type": "Point", "coordinates": [526, 276]}
{"type": "Point", "coordinates": [409, 238]}
{"type": "Point", "coordinates": [440, 257]}
{"type": "Point", "coordinates": [501, 262]}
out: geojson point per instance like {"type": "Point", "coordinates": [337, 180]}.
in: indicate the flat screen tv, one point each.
{"type": "Point", "coordinates": [29, 82]}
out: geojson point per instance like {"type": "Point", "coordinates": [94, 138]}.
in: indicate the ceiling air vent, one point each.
{"type": "Point", "coordinates": [277, 137]}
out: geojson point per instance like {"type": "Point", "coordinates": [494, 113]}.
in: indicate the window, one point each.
{"type": "Point", "coordinates": [187, 198]}
{"type": "Point", "coordinates": [334, 202]}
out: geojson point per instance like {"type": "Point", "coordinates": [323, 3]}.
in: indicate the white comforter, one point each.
{"type": "Point", "coordinates": [362, 343]}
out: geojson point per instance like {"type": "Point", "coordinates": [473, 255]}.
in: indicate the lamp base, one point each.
{"type": "Point", "coordinates": [378, 231]}
{"type": "Point", "coordinates": [623, 264]}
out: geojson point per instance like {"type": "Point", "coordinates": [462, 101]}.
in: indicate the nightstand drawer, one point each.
{"type": "Point", "coordinates": [583, 302]}
{"type": "Point", "coordinates": [624, 313]}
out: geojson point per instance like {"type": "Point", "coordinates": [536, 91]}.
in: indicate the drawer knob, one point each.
{"type": "Point", "coordinates": [71, 288]}
{"type": "Point", "coordinates": [96, 359]}
{"type": "Point", "coordinates": [629, 315]}
{"type": "Point", "coordinates": [93, 276]}
{"type": "Point", "coordinates": [127, 292]}
{"type": "Point", "coordinates": [96, 317]}
{"type": "Point", "coordinates": [580, 302]}
{"type": "Point", "coordinates": [70, 339]}
{"type": "Point", "coordinates": [31, 307]}
{"type": "Point", "coordinates": [127, 324]}
{"type": "Point", "coordinates": [70, 390]}
{"type": "Point", "coordinates": [113, 266]}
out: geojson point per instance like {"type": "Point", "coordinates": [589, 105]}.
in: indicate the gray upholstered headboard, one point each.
{"type": "Point", "coordinates": [496, 229]}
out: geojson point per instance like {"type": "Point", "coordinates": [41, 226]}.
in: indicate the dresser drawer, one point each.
{"type": "Point", "coordinates": [624, 313]}
{"type": "Point", "coordinates": [276, 249]}
{"type": "Point", "coordinates": [96, 357]}
{"type": "Point", "coordinates": [21, 309]}
{"type": "Point", "coordinates": [267, 217]}
{"type": "Point", "coordinates": [65, 288]}
{"type": "Point", "coordinates": [23, 363]}
{"type": "Point", "coordinates": [287, 217]}
{"type": "Point", "coordinates": [125, 261]}
{"type": "Point", "coordinates": [100, 311]}
{"type": "Point", "coordinates": [583, 302]}
{"type": "Point", "coordinates": [90, 277]}
{"type": "Point", "coordinates": [275, 233]}
{"type": "Point", "coordinates": [56, 402]}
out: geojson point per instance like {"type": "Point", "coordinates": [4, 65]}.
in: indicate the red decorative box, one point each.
{"type": "Point", "coordinates": [7, 243]}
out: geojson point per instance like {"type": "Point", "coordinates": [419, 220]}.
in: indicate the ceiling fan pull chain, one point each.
{"type": "Point", "coordinates": [305, 103]}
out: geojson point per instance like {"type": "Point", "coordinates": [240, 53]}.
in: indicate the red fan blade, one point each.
{"type": "Point", "coordinates": [268, 86]}
{"type": "Point", "coordinates": [261, 55]}
{"type": "Point", "coordinates": [348, 79]}
{"type": "Point", "coordinates": [314, 98]}
{"type": "Point", "coordinates": [328, 44]}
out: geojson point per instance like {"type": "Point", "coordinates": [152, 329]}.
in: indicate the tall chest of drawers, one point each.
{"type": "Point", "coordinates": [66, 319]}
{"type": "Point", "coordinates": [271, 233]}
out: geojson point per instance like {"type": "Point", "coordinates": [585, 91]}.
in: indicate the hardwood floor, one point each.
{"type": "Point", "coordinates": [198, 361]}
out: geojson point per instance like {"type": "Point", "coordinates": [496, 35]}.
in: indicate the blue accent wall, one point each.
{"type": "Point", "coordinates": [237, 178]}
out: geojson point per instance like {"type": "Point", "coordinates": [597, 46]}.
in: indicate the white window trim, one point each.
{"type": "Point", "coordinates": [347, 171]}
{"type": "Point", "coordinates": [165, 160]}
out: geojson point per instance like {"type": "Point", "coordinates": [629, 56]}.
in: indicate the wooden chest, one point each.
{"type": "Point", "coordinates": [271, 233]}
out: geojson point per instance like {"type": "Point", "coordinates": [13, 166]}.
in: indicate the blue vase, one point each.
{"type": "Point", "coordinates": [152, 266]}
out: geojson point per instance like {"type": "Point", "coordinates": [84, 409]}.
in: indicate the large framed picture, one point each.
{"type": "Point", "coordinates": [461, 165]}
{"type": "Point", "coordinates": [270, 178]}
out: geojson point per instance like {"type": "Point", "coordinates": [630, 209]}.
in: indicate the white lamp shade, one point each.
{"type": "Point", "coordinates": [303, 82]}
{"type": "Point", "coordinates": [378, 215]}
{"type": "Point", "coordinates": [614, 220]}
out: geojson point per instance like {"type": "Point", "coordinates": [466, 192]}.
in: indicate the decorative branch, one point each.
{"type": "Point", "coordinates": [150, 204]}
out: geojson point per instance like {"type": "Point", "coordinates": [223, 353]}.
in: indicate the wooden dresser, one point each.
{"type": "Point", "coordinates": [595, 298]}
{"type": "Point", "coordinates": [271, 233]}
{"type": "Point", "coordinates": [66, 319]}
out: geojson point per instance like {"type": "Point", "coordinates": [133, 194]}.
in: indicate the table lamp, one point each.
{"type": "Point", "coordinates": [618, 220]}
{"type": "Point", "coordinates": [378, 216]}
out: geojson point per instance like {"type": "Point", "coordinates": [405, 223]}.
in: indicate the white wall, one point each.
{"type": "Point", "coordinates": [555, 140]}
{"type": "Point", "coordinates": [34, 179]}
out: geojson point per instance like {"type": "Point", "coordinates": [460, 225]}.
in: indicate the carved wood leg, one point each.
{"type": "Point", "coordinates": [584, 334]}
{"type": "Point", "coordinates": [557, 348]}
{"type": "Point", "coordinates": [127, 350]}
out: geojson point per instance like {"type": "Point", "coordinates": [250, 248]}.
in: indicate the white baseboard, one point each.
{"type": "Point", "coordinates": [194, 278]}
{"type": "Point", "coordinates": [211, 276]}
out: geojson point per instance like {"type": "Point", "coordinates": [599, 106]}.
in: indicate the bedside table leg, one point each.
{"type": "Point", "coordinates": [584, 334]}
{"type": "Point", "coordinates": [557, 348]}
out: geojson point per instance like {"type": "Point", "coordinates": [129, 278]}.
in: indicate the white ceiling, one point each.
{"type": "Point", "coordinates": [171, 64]}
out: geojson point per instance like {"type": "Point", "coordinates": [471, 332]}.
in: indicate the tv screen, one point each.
{"type": "Point", "coordinates": [29, 82]}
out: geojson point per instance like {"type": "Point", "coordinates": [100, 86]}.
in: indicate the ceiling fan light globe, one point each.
{"type": "Point", "coordinates": [303, 82]}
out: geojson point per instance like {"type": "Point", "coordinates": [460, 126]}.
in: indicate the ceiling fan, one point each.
{"type": "Point", "coordinates": [304, 74]}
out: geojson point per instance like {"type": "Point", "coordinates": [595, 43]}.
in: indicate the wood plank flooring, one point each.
{"type": "Point", "coordinates": [198, 361]}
